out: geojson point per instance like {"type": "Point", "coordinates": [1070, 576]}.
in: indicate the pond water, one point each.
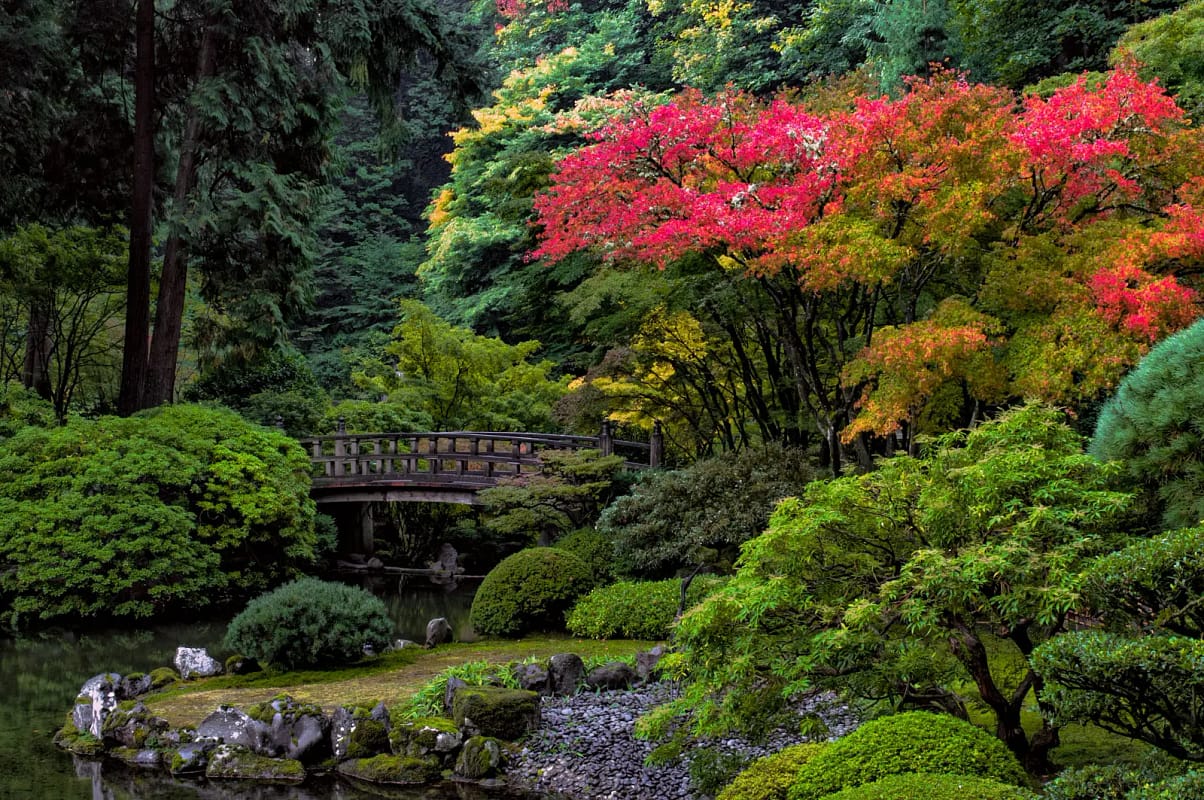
{"type": "Point", "coordinates": [40, 675]}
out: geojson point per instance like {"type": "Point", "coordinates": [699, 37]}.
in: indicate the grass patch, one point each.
{"type": "Point", "coordinates": [391, 678]}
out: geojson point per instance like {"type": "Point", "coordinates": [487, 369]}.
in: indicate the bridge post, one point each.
{"type": "Point", "coordinates": [656, 449]}
{"type": "Point", "coordinates": [606, 443]}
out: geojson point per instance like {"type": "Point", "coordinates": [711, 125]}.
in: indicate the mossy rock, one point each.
{"type": "Point", "coordinates": [141, 758]}
{"type": "Point", "coordinates": [401, 770]}
{"type": "Point", "coordinates": [495, 711]}
{"type": "Point", "coordinates": [239, 763]}
{"type": "Point", "coordinates": [424, 736]}
{"type": "Point", "coordinates": [481, 758]}
{"type": "Point", "coordinates": [369, 738]}
{"type": "Point", "coordinates": [933, 787]}
{"type": "Point", "coordinates": [73, 740]}
{"type": "Point", "coordinates": [769, 778]}
{"type": "Point", "coordinates": [163, 676]}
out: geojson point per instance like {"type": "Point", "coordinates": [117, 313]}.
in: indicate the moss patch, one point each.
{"type": "Point", "coordinates": [496, 711]}
{"type": "Point", "coordinates": [392, 769]}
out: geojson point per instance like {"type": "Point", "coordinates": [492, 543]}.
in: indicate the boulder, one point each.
{"type": "Point", "coordinates": [428, 736]}
{"type": "Point", "coordinates": [647, 664]}
{"type": "Point", "coordinates": [356, 732]}
{"type": "Point", "coordinates": [133, 727]}
{"type": "Point", "coordinates": [241, 665]}
{"type": "Point", "coordinates": [195, 662]}
{"type": "Point", "coordinates": [135, 685]}
{"type": "Point", "coordinates": [533, 678]}
{"type": "Point", "coordinates": [97, 699]}
{"type": "Point", "coordinates": [611, 677]}
{"type": "Point", "coordinates": [238, 763]}
{"type": "Point", "coordinates": [565, 673]}
{"type": "Point", "coordinates": [450, 692]}
{"type": "Point", "coordinates": [139, 759]}
{"type": "Point", "coordinates": [481, 758]}
{"type": "Point", "coordinates": [163, 676]}
{"type": "Point", "coordinates": [438, 631]}
{"type": "Point", "coordinates": [446, 566]}
{"type": "Point", "coordinates": [191, 758]}
{"type": "Point", "coordinates": [295, 730]}
{"type": "Point", "coordinates": [402, 770]}
{"type": "Point", "coordinates": [231, 726]}
{"type": "Point", "coordinates": [495, 711]}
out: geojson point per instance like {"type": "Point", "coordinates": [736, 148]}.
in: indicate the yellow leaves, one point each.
{"type": "Point", "coordinates": [439, 214]}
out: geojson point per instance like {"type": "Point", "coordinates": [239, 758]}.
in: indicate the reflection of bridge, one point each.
{"type": "Point", "coordinates": [445, 467]}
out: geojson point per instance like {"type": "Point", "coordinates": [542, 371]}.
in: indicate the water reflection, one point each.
{"type": "Point", "coordinates": [40, 674]}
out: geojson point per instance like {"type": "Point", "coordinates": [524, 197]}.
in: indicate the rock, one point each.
{"type": "Point", "coordinates": [141, 759]}
{"type": "Point", "coordinates": [402, 770]}
{"type": "Point", "coordinates": [356, 732]}
{"type": "Point", "coordinates": [163, 676]}
{"type": "Point", "coordinates": [295, 730]}
{"type": "Point", "coordinates": [231, 726]}
{"type": "Point", "coordinates": [191, 758]}
{"type": "Point", "coordinates": [611, 677]}
{"type": "Point", "coordinates": [565, 672]}
{"type": "Point", "coordinates": [647, 664]}
{"type": "Point", "coordinates": [195, 662]}
{"type": "Point", "coordinates": [134, 685]}
{"type": "Point", "coordinates": [481, 757]}
{"type": "Point", "coordinates": [374, 564]}
{"type": "Point", "coordinates": [450, 692]}
{"type": "Point", "coordinates": [133, 727]}
{"type": "Point", "coordinates": [446, 566]}
{"type": "Point", "coordinates": [494, 711]}
{"type": "Point", "coordinates": [402, 644]}
{"type": "Point", "coordinates": [97, 699]}
{"type": "Point", "coordinates": [241, 665]}
{"type": "Point", "coordinates": [228, 761]}
{"type": "Point", "coordinates": [438, 631]}
{"type": "Point", "coordinates": [533, 678]}
{"type": "Point", "coordinates": [428, 736]}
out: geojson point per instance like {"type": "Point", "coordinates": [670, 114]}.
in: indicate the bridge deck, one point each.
{"type": "Point", "coordinates": [445, 466]}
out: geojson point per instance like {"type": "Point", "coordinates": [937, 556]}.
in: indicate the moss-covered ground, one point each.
{"type": "Point", "coordinates": [392, 678]}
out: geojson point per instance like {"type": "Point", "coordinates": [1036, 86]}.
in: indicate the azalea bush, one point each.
{"type": "Point", "coordinates": [178, 508]}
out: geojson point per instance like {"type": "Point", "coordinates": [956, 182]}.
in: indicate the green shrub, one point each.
{"type": "Point", "coordinates": [1181, 787]}
{"type": "Point", "coordinates": [932, 787]}
{"type": "Point", "coordinates": [916, 741]}
{"type": "Point", "coordinates": [634, 609]}
{"type": "Point", "coordinates": [1113, 781]}
{"type": "Point", "coordinates": [770, 778]}
{"type": "Point", "coordinates": [1152, 426]}
{"type": "Point", "coordinates": [179, 507]}
{"type": "Point", "coordinates": [711, 769]}
{"type": "Point", "coordinates": [595, 549]}
{"type": "Point", "coordinates": [274, 384]}
{"type": "Point", "coordinates": [310, 622]}
{"type": "Point", "coordinates": [20, 407]}
{"type": "Point", "coordinates": [529, 591]}
{"type": "Point", "coordinates": [703, 513]}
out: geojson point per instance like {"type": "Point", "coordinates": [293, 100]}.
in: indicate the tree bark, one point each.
{"type": "Point", "coordinates": [173, 283]}
{"type": "Point", "coordinates": [137, 306]}
{"type": "Point", "coordinates": [35, 371]}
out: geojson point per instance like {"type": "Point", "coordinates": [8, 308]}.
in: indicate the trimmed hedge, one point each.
{"type": "Point", "coordinates": [933, 787]}
{"type": "Point", "coordinates": [916, 741]}
{"type": "Point", "coordinates": [310, 622]}
{"type": "Point", "coordinates": [635, 609]}
{"type": "Point", "coordinates": [770, 778]}
{"type": "Point", "coordinates": [529, 591]}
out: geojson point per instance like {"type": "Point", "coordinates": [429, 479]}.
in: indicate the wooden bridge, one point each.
{"type": "Point", "coordinates": [447, 466]}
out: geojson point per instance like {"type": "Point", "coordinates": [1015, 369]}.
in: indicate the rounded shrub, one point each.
{"type": "Point", "coordinates": [634, 609]}
{"type": "Point", "coordinates": [173, 509]}
{"type": "Point", "coordinates": [529, 591]}
{"type": "Point", "coordinates": [916, 741]}
{"type": "Point", "coordinates": [1152, 426]}
{"type": "Point", "coordinates": [596, 549]}
{"type": "Point", "coordinates": [309, 623]}
{"type": "Point", "coordinates": [932, 787]}
{"type": "Point", "coordinates": [770, 778]}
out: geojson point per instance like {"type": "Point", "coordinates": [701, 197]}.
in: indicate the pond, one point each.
{"type": "Point", "coordinates": [41, 673]}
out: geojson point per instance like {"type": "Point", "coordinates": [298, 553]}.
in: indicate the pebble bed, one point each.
{"type": "Point", "coordinates": [585, 750]}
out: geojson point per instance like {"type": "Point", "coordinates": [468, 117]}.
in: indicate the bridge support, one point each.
{"type": "Point", "coordinates": [356, 524]}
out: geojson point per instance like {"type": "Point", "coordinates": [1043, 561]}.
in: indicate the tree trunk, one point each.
{"type": "Point", "coordinates": [173, 283]}
{"type": "Point", "coordinates": [137, 305]}
{"type": "Point", "coordinates": [35, 371]}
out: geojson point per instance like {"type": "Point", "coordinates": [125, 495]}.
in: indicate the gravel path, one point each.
{"type": "Point", "coordinates": [585, 750]}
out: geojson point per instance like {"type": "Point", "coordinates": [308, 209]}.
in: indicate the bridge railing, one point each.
{"type": "Point", "coordinates": [460, 456]}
